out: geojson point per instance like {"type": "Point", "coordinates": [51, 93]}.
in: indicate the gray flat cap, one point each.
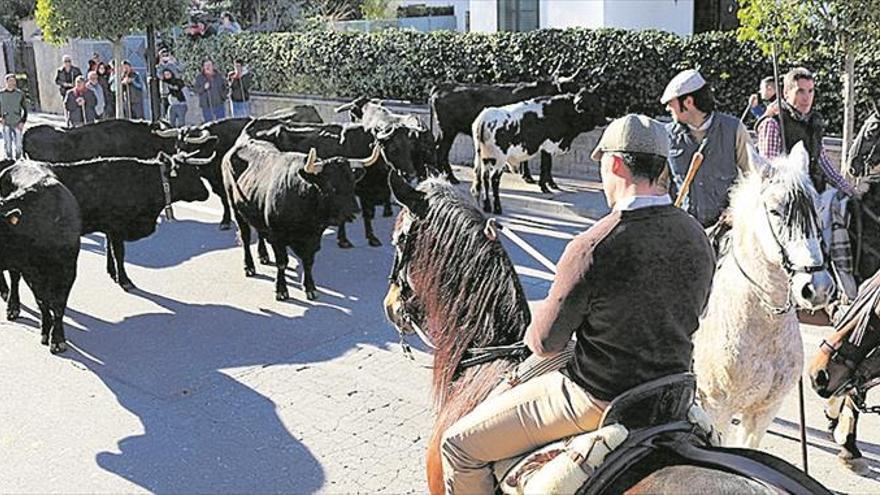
{"type": "Point", "coordinates": [635, 134]}
{"type": "Point", "coordinates": [686, 82]}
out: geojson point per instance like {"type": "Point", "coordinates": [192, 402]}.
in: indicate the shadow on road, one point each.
{"type": "Point", "coordinates": [176, 369]}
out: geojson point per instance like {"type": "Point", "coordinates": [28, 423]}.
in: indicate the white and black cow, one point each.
{"type": "Point", "coordinates": [290, 199]}
{"type": "Point", "coordinates": [512, 134]}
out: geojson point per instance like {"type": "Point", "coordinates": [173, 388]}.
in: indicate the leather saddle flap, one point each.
{"type": "Point", "coordinates": [660, 401]}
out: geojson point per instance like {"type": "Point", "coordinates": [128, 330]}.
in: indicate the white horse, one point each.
{"type": "Point", "coordinates": [748, 352]}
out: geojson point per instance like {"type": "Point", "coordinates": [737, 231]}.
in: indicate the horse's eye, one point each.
{"type": "Point", "coordinates": [776, 213]}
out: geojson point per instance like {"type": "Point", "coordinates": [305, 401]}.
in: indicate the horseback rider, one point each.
{"type": "Point", "coordinates": [722, 139]}
{"type": "Point", "coordinates": [632, 288]}
{"type": "Point", "coordinates": [801, 123]}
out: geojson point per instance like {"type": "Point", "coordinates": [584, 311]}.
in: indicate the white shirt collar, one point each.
{"type": "Point", "coordinates": [636, 202]}
{"type": "Point", "coordinates": [705, 125]}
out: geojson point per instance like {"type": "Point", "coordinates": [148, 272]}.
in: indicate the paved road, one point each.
{"type": "Point", "coordinates": [200, 381]}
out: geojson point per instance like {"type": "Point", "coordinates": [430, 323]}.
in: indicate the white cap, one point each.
{"type": "Point", "coordinates": [686, 82]}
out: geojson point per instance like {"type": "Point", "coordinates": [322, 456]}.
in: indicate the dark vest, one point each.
{"type": "Point", "coordinates": [810, 132]}
{"type": "Point", "coordinates": [708, 194]}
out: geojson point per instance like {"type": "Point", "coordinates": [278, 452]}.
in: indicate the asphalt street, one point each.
{"type": "Point", "coordinates": [199, 381]}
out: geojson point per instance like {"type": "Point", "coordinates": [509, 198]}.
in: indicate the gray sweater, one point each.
{"type": "Point", "coordinates": [215, 95]}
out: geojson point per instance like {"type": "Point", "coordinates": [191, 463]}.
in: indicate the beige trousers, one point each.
{"type": "Point", "coordinates": [532, 414]}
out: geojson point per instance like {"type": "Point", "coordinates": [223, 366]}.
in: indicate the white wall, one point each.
{"type": "Point", "coordinates": [571, 13]}
{"type": "Point", "coordinates": [676, 16]}
{"type": "Point", "coordinates": [484, 16]}
{"type": "Point", "coordinates": [461, 9]}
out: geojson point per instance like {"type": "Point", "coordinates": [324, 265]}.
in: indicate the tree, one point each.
{"type": "Point", "coordinates": [13, 11]}
{"type": "Point", "coordinates": [841, 28]}
{"type": "Point", "coordinates": [377, 10]}
{"type": "Point", "coordinates": [105, 19]}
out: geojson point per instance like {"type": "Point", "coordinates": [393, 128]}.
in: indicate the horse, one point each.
{"type": "Point", "coordinates": [847, 365]}
{"type": "Point", "coordinates": [453, 284]}
{"type": "Point", "coordinates": [748, 352]}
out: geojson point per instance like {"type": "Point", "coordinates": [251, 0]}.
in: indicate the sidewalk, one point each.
{"type": "Point", "coordinates": [577, 197]}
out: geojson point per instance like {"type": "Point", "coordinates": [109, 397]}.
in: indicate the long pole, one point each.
{"type": "Point", "coordinates": [155, 103]}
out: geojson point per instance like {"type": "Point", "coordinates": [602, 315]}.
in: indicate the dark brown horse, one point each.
{"type": "Point", "coordinates": [456, 286]}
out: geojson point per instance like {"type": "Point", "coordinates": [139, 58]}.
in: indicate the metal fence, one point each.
{"type": "Point", "coordinates": [425, 24]}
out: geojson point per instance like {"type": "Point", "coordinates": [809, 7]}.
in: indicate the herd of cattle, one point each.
{"type": "Point", "coordinates": [287, 175]}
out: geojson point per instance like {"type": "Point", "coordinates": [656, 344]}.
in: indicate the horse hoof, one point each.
{"type": "Point", "coordinates": [528, 179]}
{"type": "Point", "coordinates": [554, 186]}
{"type": "Point", "coordinates": [487, 207]}
{"type": "Point", "coordinates": [545, 189]}
{"type": "Point", "coordinates": [264, 260]}
{"type": "Point", "coordinates": [58, 347]}
{"type": "Point", "coordinates": [44, 340]}
{"type": "Point", "coordinates": [374, 242]}
{"type": "Point", "coordinates": [497, 210]}
{"type": "Point", "coordinates": [344, 244]}
{"type": "Point", "coordinates": [4, 295]}
{"type": "Point", "coordinates": [857, 465]}
{"type": "Point", "coordinates": [225, 226]}
{"type": "Point", "coordinates": [12, 314]}
{"type": "Point", "coordinates": [127, 286]}
{"type": "Point", "coordinates": [311, 295]}
{"type": "Point", "coordinates": [281, 296]}
{"type": "Point", "coordinates": [249, 272]}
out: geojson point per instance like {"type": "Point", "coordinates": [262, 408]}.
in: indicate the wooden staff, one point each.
{"type": "Point", "coordinates": [696, 163]}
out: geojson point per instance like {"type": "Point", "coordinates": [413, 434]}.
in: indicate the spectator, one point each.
{"type": "Point", "coordinates": [198, 28]}
{"type": "Point", "coordinates": [240, 81]}
{"type": "Point", "coordinates": [132, 91]}
{"type": "Point", "coordinates": [103, 70]}
{"type": "Point", "coordinates": [228, 24]}
{"type": "Point", "coordinates": [79, 103]}
{"type": "Point", "coordinates": [13, 114]}
{"type": "Point", "coordinates": [168, 61]}
{"type": "Point", "coordinates": [66, 75]}
{"type": "Point", "coordinates": [94, 61]}
{"type": "Point", "coordinates": [173, 98]}
{"type": "Point", "coordinates": [762, 102]}
{"type": "Point", "coordinates": [212, 89]}
{"type": "Point", "coordinates": [93, 83]}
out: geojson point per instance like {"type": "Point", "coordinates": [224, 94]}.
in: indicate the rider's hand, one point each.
{"type": "Point", "coordinates": [753, 100]}
{"type": "Point", "coordinates": [862, 188]}
{"type": "Point", "coordinates": [772, 110]}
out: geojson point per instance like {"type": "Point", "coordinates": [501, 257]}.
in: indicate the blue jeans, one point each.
{"type": "Point", "coordinates": [216, 113]}
{"type": "Point", "coordinates": [241, 108]}
{"type": "Point", "coordinates": [12, 142]}
{"type": "Point", "coordinates": [177, 115]}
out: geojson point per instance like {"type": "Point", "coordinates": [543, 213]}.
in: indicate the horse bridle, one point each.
{"type": "Point", "coordinates": [790, 269]}
{"type": "Point", "coordinates": [399, 276]}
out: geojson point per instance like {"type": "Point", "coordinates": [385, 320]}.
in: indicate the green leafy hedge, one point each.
{"type": "Point", "coordinates": [634, 67]}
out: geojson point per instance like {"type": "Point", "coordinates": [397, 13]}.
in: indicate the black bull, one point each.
{"type": "Point", "coordinates": [39, 239]}
{"type": "Point", "coordinates": [351, 141]}
{"type": "Point", "coordinates": [290, 199]}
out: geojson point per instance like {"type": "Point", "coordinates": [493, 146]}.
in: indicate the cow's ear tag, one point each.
{"type": "Point", "coordinates": [13, 217]}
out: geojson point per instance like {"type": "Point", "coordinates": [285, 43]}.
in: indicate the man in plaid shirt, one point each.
{"type": "Point", "coordinates": [803, 124]}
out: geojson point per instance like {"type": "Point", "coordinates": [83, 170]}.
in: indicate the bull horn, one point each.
{"type": "Point", "coordinates": [200, 161]}
{"type": "Point", "coordinates": [201, 139]}
{"type": "Point", "coordinates": [374, 157]}
{"type": "Point", "coordinates": [166, 133]}
{"type": "Point", "coordinates": [312, 167]}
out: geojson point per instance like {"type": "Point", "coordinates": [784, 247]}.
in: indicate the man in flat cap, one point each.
{"type": "Point", "coordinates": [722, 138]}
{"type": "Point", "coordinates": [618, 283]}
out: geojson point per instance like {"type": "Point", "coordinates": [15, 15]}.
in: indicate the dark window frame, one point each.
{"type": "Point", "coordinates": [515, 9]}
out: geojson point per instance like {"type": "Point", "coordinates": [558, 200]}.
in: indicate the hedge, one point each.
{"type": "Point", "coordinates": [632, 67]}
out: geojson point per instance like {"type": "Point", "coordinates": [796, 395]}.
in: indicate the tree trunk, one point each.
{"type": "Point", "coordinates": [118, 57]}
{"type": "Point", "coordinates": [849, 117]}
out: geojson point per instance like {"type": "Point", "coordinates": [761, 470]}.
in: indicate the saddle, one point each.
{"type": "Point", "coordinates": [658, 419]}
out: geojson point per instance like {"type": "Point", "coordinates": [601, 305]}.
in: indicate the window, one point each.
{"type": "Point", "coordinates": [517, 15]}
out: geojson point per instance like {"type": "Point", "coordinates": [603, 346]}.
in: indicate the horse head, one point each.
{"type": "Point", "coordinates": [864, 155]}
{"type": "Point", "coordinates": [849, 358]}
{"type": "Point", "coordinates": [451, 282]}
{"type": "Point", "coordinates": [778, 203]}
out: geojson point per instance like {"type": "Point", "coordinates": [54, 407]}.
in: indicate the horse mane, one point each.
{"type": "Point", "coordinates": [747, 196]}
{"type": "Point", "coordinates": [467, 285]}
